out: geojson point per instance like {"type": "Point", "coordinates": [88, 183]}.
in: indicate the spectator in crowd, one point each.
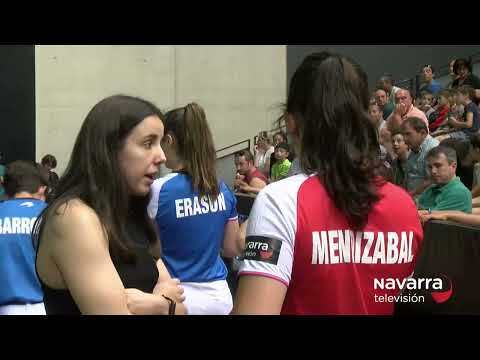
{"type": "Point", "coordinates": [338, 201]}
{"type": "Point", "coordinates": [415, 133]}
{"type": "Point", "coordinates": [386, 83]}
{"type": "Point", "coordinates": [50, 162]}
{"type": "Point", "coordinates": [20, 290]}
{"type": "Point", "coordinates": [264, 150]}
{"type": "Point", "coordinates": [439, 117]}
{"type": "Point", "coordinates": [249, 179]}
{"type": "Point", "coordinates": [456, 108]}
{"type": "Point", "coordinates": [386, 106]}
{"type": "Point", "coordinates": [470, 123]}
{"type": "Point", "coordinates": [280, 137]}
{"type": "Point", "coordinates": [463, 70]}
{"type": "Point", "coordinates": [452, 74]}
{"type": "Point", "coordinates": [427, 103]}
{"type": "Point", "coordinates": [386, 146]}
{"type": "Point", "coordinates": [447, 191]}
{"type": "Point", "coordinates": [399, 164]}
{"type": "Point", "coordinates": [404, 109]}
{"type": "Point", "coordinates": [472, 159]}
{"type": "Point", "coordinates": [456, 112]}
{"type": "Point", "coordinates": [282, 166]}
{"type": "Point", "coordinates": [468, 161]}
{"type": "Point", "coordinates": [376, 117]}
{"type": "Point", "coordinates": [429, 83]}
{"type": "Point", "coordinates": [464, 170]}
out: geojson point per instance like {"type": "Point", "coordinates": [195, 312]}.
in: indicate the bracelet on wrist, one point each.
{"type": "Point", "coordinates": [172, 305]}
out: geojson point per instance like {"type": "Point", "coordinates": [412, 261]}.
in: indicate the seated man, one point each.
{"type": "Point", "coordinates": [20, 291]}
{"type": "Point", "coordinates": [468, 160]}
{"type": "Point", "coordinates": [447, 191]}
{"type": "Point", "coordinates": [415, 134]}
{"type": "Point", "coordinates": [404, 109]}
{"type": "Point", "coordinates": [249, 179]}
{"type": "Point", "coordinates": [383, 102]}
{"type": "Point", "coordinates": [386, 83]}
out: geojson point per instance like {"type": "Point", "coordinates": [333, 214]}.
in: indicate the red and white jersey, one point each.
{"type": "Point", "coordinates": [297, 236]}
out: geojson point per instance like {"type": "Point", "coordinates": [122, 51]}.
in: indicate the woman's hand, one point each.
{"type": "Point", "coordinates": [170, 288]}
{"type": "Point", "coordinates": [142, 303]}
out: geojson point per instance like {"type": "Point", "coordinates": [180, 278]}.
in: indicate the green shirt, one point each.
{"type": "Point", "coordinates": [388, 109]}
{"type": "Point", "coordinates": [451, 196]}
{"type": "Point", "coordinates": [280, 170]}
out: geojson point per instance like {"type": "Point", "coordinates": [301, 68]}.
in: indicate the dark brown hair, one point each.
{"type": "Point", "coordinates": [328, 98]}
{"type": "Point", "coordinates": [189, 127]}
{"type": "Point", "coordinates": [93, 173]}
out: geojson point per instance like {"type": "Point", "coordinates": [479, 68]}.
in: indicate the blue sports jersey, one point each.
{"type": "Point", "coordinates": [18, 279]}
{"type": "Point", "coordinates": [191, 228]}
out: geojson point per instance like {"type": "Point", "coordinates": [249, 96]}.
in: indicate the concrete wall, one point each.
{"type": "Point", "coordinates": [71, 79]}
{"type": "Point", "coordinates": [239, 87]}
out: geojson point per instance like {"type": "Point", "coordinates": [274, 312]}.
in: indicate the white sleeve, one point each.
{"type": "Point", "coordinates": [152, 207]}
{"type": "Point", "coordinates": [271, 232]}
{"type": "Point", "coordinates": [155, 189]}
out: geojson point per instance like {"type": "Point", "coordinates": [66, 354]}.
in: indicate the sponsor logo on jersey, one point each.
{"type": "Point", "coordinates": [27, 204]}
{"type": "Point", "coordinates": [263, 249]}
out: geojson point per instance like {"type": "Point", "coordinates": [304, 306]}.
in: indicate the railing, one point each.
{"type": "Point", "coordinates": [232, 149]}
{"type": "Point", "coordinates": [245, 144]}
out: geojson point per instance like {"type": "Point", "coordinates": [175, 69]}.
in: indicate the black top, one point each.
{"type": "Point", "coordinates": [141, 274]}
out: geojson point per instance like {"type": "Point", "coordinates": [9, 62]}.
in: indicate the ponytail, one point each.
{"type": "Point", "coordinates": [196, 147]}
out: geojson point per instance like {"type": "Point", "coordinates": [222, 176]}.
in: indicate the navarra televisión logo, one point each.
{"type": "Point", "coordinates": [439, 288]}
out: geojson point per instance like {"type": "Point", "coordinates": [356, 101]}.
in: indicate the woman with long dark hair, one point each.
{"type": "Point", "coordinates": [316, 242]}
{"type": "Point", "coordinates": [97, 247]}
